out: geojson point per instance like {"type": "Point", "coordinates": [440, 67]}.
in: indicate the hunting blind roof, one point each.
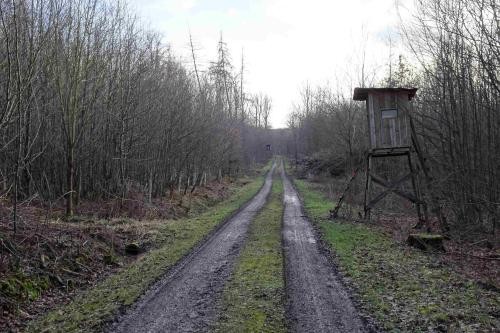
{"type": "Point", "coordinates": [361, 94]}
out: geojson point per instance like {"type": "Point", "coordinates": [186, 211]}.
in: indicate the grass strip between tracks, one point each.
{"type": "Point", "coordinates": [90, 310]}
{"type": "Point", "coordinates": [406, 290]}
{"type": "Point", "coordinates": [253, 299]}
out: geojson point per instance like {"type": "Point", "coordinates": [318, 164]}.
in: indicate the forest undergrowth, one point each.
{"type": "Point", "coordinates": [404, 288]}
{"type": "Point", "coordinates": [51, 260]}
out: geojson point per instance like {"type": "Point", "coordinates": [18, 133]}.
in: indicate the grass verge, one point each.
{"type": "Point", "coordinates": [253, 300]}
{"type": "Point", "coordinates": [90, 310]}
{"type": "Point", "coordinates": [404, 289]}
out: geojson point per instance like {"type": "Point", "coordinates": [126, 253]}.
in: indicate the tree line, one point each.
{"type": "Point", "coordinates": [456, 113]}
{"type": "Point", "coordinates": [93, 105]}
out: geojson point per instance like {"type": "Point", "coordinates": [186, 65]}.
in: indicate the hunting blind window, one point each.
{"type": "Point", "coordinates": [389, 113]}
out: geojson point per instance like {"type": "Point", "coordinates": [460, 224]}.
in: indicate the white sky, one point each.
{"type": "Point", "coordinates": [286, 43]}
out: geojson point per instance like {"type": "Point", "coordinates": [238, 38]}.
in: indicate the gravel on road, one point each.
{"type": "Point", "coordinates": [186, 299]}
{"type": "Point", "coordinates": [317, 300]}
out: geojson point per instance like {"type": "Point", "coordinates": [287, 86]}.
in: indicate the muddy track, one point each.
{"type": "Point", "coordinates": [317, 300]}
{"type": "Point", "coordinates": [186, 299]}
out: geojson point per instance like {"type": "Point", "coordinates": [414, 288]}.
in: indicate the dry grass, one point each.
{"type": "Point", "coordinates": [51, 259]}
{"type": "Point", "coordinates": [403, 288]}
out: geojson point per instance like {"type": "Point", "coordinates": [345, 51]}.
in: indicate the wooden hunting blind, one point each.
{"type": "Point", "coordinates": [390, 136]}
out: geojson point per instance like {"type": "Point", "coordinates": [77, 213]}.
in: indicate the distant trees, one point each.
{"type": "Point", "coordinates": [261, 106]}
{"type": "Point", "coordinates": [91, 105]}
{"type": "Point", "coordinates": [330, 126]}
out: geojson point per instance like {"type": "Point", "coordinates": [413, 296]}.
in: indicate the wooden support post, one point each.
{"type": "Point", "coordinates": [335, 212]}
{"type": "Point", "coordinates": [392, 186]}
{"type": "Point", "coordinates": [421, 219]}
{"type": "Point", "coordinates": [368, 185]}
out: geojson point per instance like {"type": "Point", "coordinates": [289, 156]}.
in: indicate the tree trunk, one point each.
{"type": "Point", "coordinates": [70, 181]}
{"type": "Point", "coordinates": [150, 185]}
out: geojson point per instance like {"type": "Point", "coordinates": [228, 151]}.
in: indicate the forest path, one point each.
{"type": "Point", "coordinates": [317, 301]}
{"type": "Point", "coordinates": [186, 299]}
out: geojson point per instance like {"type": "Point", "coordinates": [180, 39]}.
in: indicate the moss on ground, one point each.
{"type": "Point", "coordinates": [404, 289]}
{"type": "Point", "coordinates": [90, 310]}
{"type": "Point", "coordinates": [253, 300]}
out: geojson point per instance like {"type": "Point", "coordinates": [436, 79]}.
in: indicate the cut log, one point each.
{"type": "Point", "coordinates": [426, 242]}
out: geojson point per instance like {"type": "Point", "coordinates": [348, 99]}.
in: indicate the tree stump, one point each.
{"type": "Point", "coordinates": [426, 242]}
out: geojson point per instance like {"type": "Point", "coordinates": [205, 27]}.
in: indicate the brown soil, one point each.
{"type": "Point", "coordinates": [49, 260]}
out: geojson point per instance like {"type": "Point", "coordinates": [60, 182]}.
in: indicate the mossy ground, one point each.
{"type": "Point", "coordinates": [89, 311]}
{"type": "Point", "coordinates": [253, 300]}
{"type": "Point", "coordinates": [404, 289]}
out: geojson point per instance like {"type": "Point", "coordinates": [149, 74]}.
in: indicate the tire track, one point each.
{"type": "Point", "coordinates": [317, 301]}
{"type": "Point", "coordinates": [186, 300]}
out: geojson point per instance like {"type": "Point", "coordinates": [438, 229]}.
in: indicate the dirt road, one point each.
{"type": "Point", "coordinates": [317, 301]}
{"type": "Point", "coordinates": [185, 301]}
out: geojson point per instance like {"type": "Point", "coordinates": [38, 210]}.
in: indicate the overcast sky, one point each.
{"type": "Point", "coordinates": [286, 43]}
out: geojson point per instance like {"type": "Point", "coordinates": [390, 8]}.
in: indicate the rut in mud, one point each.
{"type": "Point", "coordinates": [186, 299]}
{"type": "Point", "coordinates": [317, 301]}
